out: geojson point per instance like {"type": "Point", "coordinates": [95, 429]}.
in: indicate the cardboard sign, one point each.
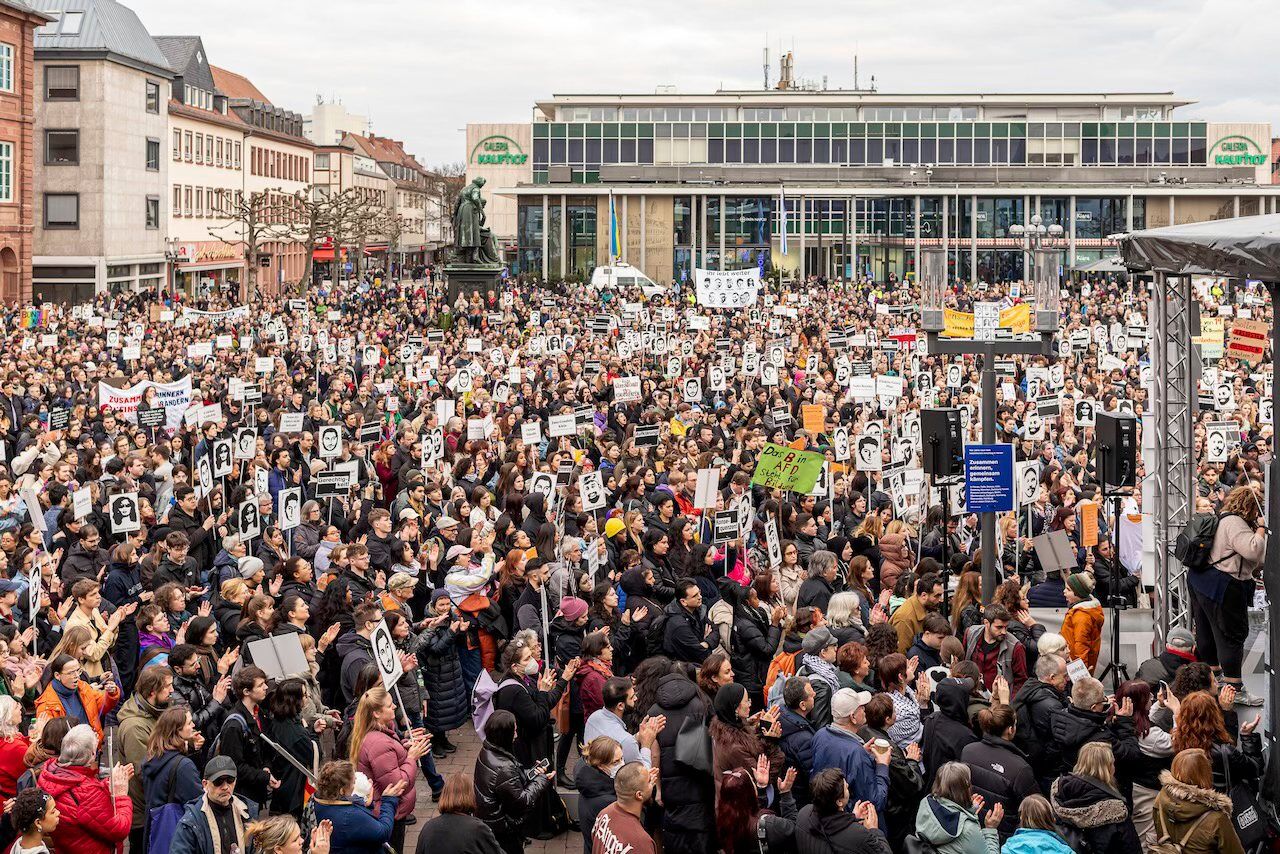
{"type": "Point", "coordinates": [814, 417]}
{"type": "Point", "coordinates": [1088, 524]}
{"type": "Point", "coordinates": [123, 513]}
{"type": "Point", "coordinates": [289, 508]}
{"type": "Point", "coordinates": [707, 491]}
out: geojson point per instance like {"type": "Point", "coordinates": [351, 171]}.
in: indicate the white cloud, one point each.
{"type": "Point", "coordinates": [423, 70]}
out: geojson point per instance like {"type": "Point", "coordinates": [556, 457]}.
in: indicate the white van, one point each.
{"type": "Point", "coordinates": [621, 277]}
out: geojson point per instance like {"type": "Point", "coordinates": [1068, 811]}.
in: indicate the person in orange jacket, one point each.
{"type": "Point", "coordinates": [1082, 626]}
{"type": "Point", "coordinates": [70, 696]}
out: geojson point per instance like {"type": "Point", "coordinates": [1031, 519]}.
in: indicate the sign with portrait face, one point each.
{"type": "Point", "coordinates": [591, 488]}
{"type": "Point", "coordinates": [869, 452]}
{"type": "Point", "coordinates": [1086, 412]}
{"type": "Point", "coordinates": [123, 512]}
{"type": "Point", "coordinates": [289, 508]}
{"type": "Point", "coordinates": [1219, 437]}
{"type": "Point", "coordinates": [222, 458]}
{"type": "Point", "coordinates": [385, 655]}
{"type": "Point", "coordinates": [248, 521]}
{"type": "Point", "coordinates": [1028, 482]}
{"type": "Point", "coordinates": [840, 443]}
{"type": "Point", "coordinates": [329, 441]}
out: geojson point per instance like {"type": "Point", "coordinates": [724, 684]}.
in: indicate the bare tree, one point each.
{"type": "Point", "coordinates": [446, 182]}
{"type": "Point", "coordinates": [319, 214]}
{"type": "Point", "coordinates": [249, 221]}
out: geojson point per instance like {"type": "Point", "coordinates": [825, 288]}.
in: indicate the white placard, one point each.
{"type": "Point", "coordinates": [122, 512]}
{"type": "Point", "coordinates": [704, 497]}
{"type": "Point", "coordinates": [289, 508]}
{"type": "Point", "coordinates": [386, 656]}
{"type": "Point", "coordinates": [591, 488]}
{"type": "Point", "coordinates": [626, 390]}
{"type": "Point", "coordinates": [82, 502]}
{"type": "Point", "coordinates": [329, 441]}
{"type": "Point", "coordinates": [727, 288]}
{"type": "Point", "coordinates": [531, 433]}
{"type": "Point", "coordinates": [562, 425]}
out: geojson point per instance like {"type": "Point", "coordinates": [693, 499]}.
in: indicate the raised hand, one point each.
{"type": "Point", "coordinates": [320, 837]}
{"type": "Point", "coordinates": [995, 816]}
{"type": "Point", "coordinates": [788, 780]}
{"type": "Point", "coordinates": [761, 771]}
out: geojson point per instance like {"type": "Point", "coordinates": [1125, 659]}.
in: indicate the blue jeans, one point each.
{"type": "Point", "coordinates": [434, 780]}
{"type": "Point", "coordinates": [472, 664]}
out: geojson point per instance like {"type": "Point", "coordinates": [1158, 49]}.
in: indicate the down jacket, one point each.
{"type": "Point", "coordinates": [93, 822]}
{"type": "Point", "coordinates": [442, 674]}
{"type": "Point", "coordinates": [506, 792]}
{"type": "Point", "coordinates": [688, 795]}
{"type": "Point", "coordinates": [384, 760]}
{"type": "Point", "coordinates": [1093, 813]}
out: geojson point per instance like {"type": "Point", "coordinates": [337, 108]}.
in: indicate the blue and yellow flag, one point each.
{"type": "Point", "coordinates": [615, 251]}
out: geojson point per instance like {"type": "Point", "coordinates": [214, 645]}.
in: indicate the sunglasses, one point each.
{"type": "Point", "coordinates": [223, 781]}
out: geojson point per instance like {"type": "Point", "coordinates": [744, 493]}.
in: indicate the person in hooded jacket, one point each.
{"type": "Point", "coordinates": [1000, 771]}
{"type": "Point", "coordinates": [1037, 832]}
{"type": "Point", "coordinates": [951, 818]}
{"type": "Point", "coordinates": [753, 640]}
{"type": "Point", "coordinates": [637, 584]}
{"type": "Point", "coordinates": [535, 515]}
{"type": "Point", "coordinates": [826, 826]}
{"type": "Point", "coordinates": [448, 705]}
{"type": "Point", "coordinates": [947, 731]}
{"type": "Point", "coordinates": [1092, 812]}
{"type": "Point", "coordinates": [1190, 813]}
{"type": "Point", "coordinates": [688, 794]}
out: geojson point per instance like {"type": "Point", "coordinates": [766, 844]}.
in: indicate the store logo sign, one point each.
{"type": "Point", "coordinates": [1237, 150]}
{"type": "Point", "coordinates": [498, 151]}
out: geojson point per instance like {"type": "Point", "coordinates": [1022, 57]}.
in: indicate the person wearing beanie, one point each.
{"type": "Point", "coordinates": [1179, 649]}
{"type": "Point", "coordinates": [613, 527]}
{"type": "Point", "coordinates": [1082, 625]}
{"type": "Point", "coordinates": [448, 706]}
{"type": "Point", "coordinates": [252, 571]}
{"type": "Point", "coordinates": [567, 632]}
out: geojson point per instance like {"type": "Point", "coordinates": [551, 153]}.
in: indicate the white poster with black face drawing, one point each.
{"type": "Point", "coordinates": [769, 374]}
{"type": "Point", "coordinates": [329, 441]}
{"type": "Point", "coordinates": [1086, 410]}
{"type": "Point", "coordinates": [954, 376]}
{"type": "Point", "coordinates": [840, 443]}
{"type": "Point", "coordinates": [1264, 411]}
{"type": "Point", "coordinates": [771, 541]}
{"type": "Point", "coordinates": [591, 488]}
{"type": "Point", "coordinates": [745, 514]}
{"type": "Point", "coordinates": [433, 445]}
{"type": "Point", "coordinates": [673, 368]}
{"type": "Point", "coordinates": [716, 378]}
{"type": "Point", "coordinates": [1034, 386]}
{"type": "Point", "coordinates": [260, 481]}
{"type": "Point", "coordinates": [222, 458]}
{"type": "Point", "coordinates": [904, 448]}
{"type": "Point", "coordinates": [204, 472]}
{"type": "Point", "coordinates": [868, 455]}
{"type": "Point", "coordinates": [1219, 436]}
{"type": "Point", "coordinates": [543, 483]}
{"type": "Point", "coordinates": [843, 374]}
{"type": "Point", "coordinates": [248, 522]}
{"type": "Point", "coordinates": [1033, 422]}
{"type": "Point", "coordinates": [369, 357]}
{"type": "Point", "coordinates": [751, 364]}
{"type": "Point", "coordinates": [386, 656]}
{"type": "Point", "coordinates": [123, 512]}
{"type": "Point", "coordinates": [1124, 407]}
{"type": "Point", "coordinates": [777, 355]}
{"type": "Point", "coordinates": [1057, 376]}
{"type": "Point", "coordinates": [289, 508]}
{"type": "Point", "coordinates": [1028, 482]}
{"type": "Point", "coordinates": [1224, 397]}
{"type": "Point", "coordinates": [246, 443]}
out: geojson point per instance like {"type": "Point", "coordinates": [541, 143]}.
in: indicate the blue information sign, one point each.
{"type": "Point", "coordinates": [988, 478]}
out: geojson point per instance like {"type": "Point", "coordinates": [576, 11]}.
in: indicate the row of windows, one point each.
{"type": "Point", "coordinates": [62, 148]}
{"type": "Point", "coordinates": [279, 164]}
{"type": "Point", "coordinates": [204, 202]}
{"type": "Point", "coordinates": [62, 82]}
{"type": "Point", "coordinates": [779, 114]}
{"type": "Point", "coordinates": [206, 148]}
{"type": "Point", "coordinates": [825, 129]}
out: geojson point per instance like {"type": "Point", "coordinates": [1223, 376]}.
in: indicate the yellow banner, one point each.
{"type": "Point", "coordinates": [1017, 318]}
{"type": "Point", "coordinates": [957, 324]}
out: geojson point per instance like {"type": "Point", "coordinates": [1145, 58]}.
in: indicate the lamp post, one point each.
{"type": "Point", "coordinates": [171, 256]}
{"type": "Point", "coordinates": [1046, 298]}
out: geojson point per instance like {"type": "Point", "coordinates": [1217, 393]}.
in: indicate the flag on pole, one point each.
{"type": "Point", "coordinates": [615, 251]}
{"type": "Point", "coordinates": [782, 217]}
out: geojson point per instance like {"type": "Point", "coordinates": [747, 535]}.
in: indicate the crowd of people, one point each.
{"type": "Point", "coordinates": [253, 616]}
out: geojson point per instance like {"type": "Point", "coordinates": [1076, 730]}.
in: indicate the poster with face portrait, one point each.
{"type": "Point", "coordinates": [222, 458]}
{"type": "Point", "coordinates": [123, 510]}
{"type": "Point", "coordinates": [954, 376]}
{"type": "Point", "coordinates": [289, 507]}
{"type": "Point", "coordinates": [246, 443]}
{"type": "Point", "coordinates": [248, 521]}
{"type": "Point", "coordinates": [329, 441]}
{"type": "Point", "coordinates": [868, 454]}
{"type": "Point", "coordinates": [386, 656]}
{"type": "Point", "coordinates": [1086, 412]}
{"type": "Point", "coordinates": [1033, 421]}
{"type": "Point", "coordinates": [840, 443]}
{"type": "Point", "coordinates": [1028, 482]}
{"type": "Point", "coordinates": [1219, 437]}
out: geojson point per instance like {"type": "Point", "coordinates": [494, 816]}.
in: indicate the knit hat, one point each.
{"type": "Point", "coordinates": [438, 594]}
{"type": "Point", "coordinates": [1081, 584]}
{"type": "Point", "coordinates": [613, 527]}
{"type": "Point", "coordinates": [250, 566]}
{"type": "Point", "coordinates": [572, 608]}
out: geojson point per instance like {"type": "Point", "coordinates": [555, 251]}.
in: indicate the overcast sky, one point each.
{"type": "Point", "coordinates": [423, 70]}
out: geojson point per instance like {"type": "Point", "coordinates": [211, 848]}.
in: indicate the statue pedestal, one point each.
{"type": "Point", "coordinates": [471, 278]}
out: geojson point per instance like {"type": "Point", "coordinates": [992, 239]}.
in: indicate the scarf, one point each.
{"type": "Point", "coordinates": [70, 698]}
{"type": "Point", "coordinates": [823, 669]}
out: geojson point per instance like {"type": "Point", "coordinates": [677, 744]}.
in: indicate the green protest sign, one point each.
{"type": "Point", "coordinates": [780, 467]}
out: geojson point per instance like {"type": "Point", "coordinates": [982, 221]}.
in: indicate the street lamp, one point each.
{"type": "Point", "coordinates": [171, 256]}
{"type": "Point", "coordinates": [933, 270]}
{"type": "Point", "coordinates": [1045, 269]}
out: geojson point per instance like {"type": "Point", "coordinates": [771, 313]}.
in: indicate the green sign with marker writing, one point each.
{"type": "Point", "coordinates": [780, 467]}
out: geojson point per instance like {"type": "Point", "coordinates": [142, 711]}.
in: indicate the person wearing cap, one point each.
{"type": "Point", "coordinates": [252, 571]}
{"type": "Point", "coordinates": [838, 745]}
{"type": "Point", "coordinates": [446, 538]}
{"type": "Point", "coordinates": [218, 811]}
{"type": "Point", "coordinates": [9, 601]}
{"type": "Point", "coordinates": [1082, 624]}
{"type": "Point", "coordinates": [1179, 649]}
{"type": "Point", "coordinates": [817, 663]}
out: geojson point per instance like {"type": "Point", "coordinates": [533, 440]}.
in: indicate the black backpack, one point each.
{"type": "Point", "coordinates": [1195, 542]}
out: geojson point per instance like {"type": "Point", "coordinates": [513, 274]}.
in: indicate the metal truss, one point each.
{"type": "Point", "coordinates": [1171, 475]}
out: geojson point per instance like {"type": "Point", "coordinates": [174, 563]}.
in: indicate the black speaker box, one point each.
{"type": "Point", "coordinates": [1116, 449]}
{"type": "Point", "coordinates": [943, 444]}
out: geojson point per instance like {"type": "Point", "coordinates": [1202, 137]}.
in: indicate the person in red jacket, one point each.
{"type": "Point", "coordinates": [596, 669]}
{"type": "Point", "coordinates": [96, 814]}
{"type": "Point", "coordinates": [13, 747]}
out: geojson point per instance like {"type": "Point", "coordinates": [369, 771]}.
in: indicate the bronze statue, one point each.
{"type": "Point", "coordinates": [472, 240]}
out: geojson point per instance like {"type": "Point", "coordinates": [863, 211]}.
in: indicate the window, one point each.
{"type": "Point", "coordinates": [177, 145]}
{"type": "Point", "coordinates": [71, 23]}
{"type": "Point", "coordinates": [218, 152]}
{"type": "Point", "coordinates": [153, 155]}
{"type": "Point", "coordinates": [153, 97]}
{"type": "Point", "coordinates": [186, 146]}
{"type": "Point", "coordinates": [322, 161]}
{"type": "Point", "coordinates": [62, 210]}
{"type": "Point", "coordinates": [186, 201]}
{"type": "Point", "coordinates": [61, 82]}
{"type": "Point", "coordinates": [208, 149]}
{"type": "Point", "coordinates": [199, 148]}
{"type": "Point", "coordinates": [6, 171]}
{"type": "Point", "coordinates": [199, 201]}
{"type": "Point", "coordinates": [153, 211]}
{"type": "Point", "coordinates": [237, 155]}
{"type": "Point", "coordinates": [61, 147]}
{"type": "Point", "coordinates": [177, 200]}
{"type": "Point", "coordinates": [6, 67]}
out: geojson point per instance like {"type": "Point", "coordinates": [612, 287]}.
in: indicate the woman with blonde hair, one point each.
{"type": "Point", "coordinates": [1189, 813]}
{"type": "Point", "coordinates": [1037, 832]}
{"type": "Point", "coordinates": [280, 834]}
{"type": "Point", "coordinates": [377, 751]}
{"type": "Point", "coordinates": [1094, 815]}
{"type": "Point", "coordinates": [594, 780]}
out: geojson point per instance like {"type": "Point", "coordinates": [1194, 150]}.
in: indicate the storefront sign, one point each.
{"type": "Point", "coordinates": [498, 151]}
{"type": "Point", "coordinates": [1237, 150]}
{"type": "Point", "coordinates": [207, 251]}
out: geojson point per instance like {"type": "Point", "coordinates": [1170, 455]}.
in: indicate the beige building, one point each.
{"type": "Point", "coordinates": [502, 154]}
{"type": "Point", "coordinates": [101, 175]}
{"type": "Point", "coordinates": [329, 122]}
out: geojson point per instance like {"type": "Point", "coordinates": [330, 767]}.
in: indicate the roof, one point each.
{"type": "Point", "coordinates": [187, 58]}
{"type": "Point", "coordinates": [108, 29]}
{"type": "Point", "coordinates": [1246, 247]}
{"type": "Point", "coordinates": [230, 120]}
{"type": "Point", "coordinates": [386, 150]}
{"type": "Point", "coordinates": [236, 86]}
{"type": "Point", "coordinates": [18, 6]}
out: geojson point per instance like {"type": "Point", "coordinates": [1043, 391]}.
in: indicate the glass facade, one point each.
{"type": "Point", "coordinates": [582, 238]}
{"type": "Point", "coordinates": [529, 231]}
{"type": "Point", "coordinates": [586, 146]}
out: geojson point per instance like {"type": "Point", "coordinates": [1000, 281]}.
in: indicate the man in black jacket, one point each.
{"type": "Point", "coordinates": [197, 525]}
{"type": "Point", "coordinates": [177, 566]}
{"type": "Point", "coordinates": [241, 736]}
{"type": "Point", "coordinates": [1036, 703]}
{"type": "Point", "coordinates": [797, 733]}
{"type": "Point", "coordinates": [208, 708]}
{"type": "Point", "coordinates": [1179, 649]}
{"type": "Point", "coordinates": [1090, 717]}
{"type": "Point", "coordinates": [685, 636]}
{"type": "Point", "coordinates": [85, 559]}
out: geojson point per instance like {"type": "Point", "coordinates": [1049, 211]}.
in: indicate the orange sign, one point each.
{"type": "Point", "coordinates": [814, 416]}
{"type": "Point", "coordinates": [1088, 524]}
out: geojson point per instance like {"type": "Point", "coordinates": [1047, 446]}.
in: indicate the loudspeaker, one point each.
{"type": "Point", "coordinates": [1116, 449]}
{"type": "Point", "coordinates": [943, 444]}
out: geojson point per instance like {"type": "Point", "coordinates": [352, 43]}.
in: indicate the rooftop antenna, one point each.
{"type": "Point", "coordinates": [766, 61]}
{"type": "Point", "coordinates": [824, 83]}
{"type": "Point", "coordinates": [873, 83]}
{"type": "Point", "coordinates": [855, 70]}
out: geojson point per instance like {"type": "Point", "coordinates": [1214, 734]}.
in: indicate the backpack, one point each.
{"type": "Point", "coordinates": [1165, 844]}
{"type": "Point", "coordinates": [217, 741]}
{"type": "Point", "coordinates": [482, 699]}
{"type": "Point", "coordinates": [781, 668]}
{"type": "Point", "coordinates": [914, 844]}
{"type": "Point", "coordinates": [1195, 542]}
{"type": "Point", "coordinates": [162, 821]}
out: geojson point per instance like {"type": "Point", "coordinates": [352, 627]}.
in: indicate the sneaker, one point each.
{"type": "Point", "coordinates": [1244, 698]}
{"type": "Point", "coordinates": [439, 751]}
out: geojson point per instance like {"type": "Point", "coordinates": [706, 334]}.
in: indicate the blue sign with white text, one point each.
{"type": "Point", "coordinates": [988, 478]}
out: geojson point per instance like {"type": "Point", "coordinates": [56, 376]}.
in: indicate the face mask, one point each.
{"type": "Point", "coordinates": [613, 770]}
{"type": "Point", "coordinates": [531, 668]}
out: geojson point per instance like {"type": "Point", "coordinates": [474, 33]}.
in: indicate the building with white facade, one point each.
{"type": "Point", "coordinates": [329, 122]}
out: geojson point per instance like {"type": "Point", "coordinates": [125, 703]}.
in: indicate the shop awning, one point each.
{"type": "Point", "coordinates": [322, 254]}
